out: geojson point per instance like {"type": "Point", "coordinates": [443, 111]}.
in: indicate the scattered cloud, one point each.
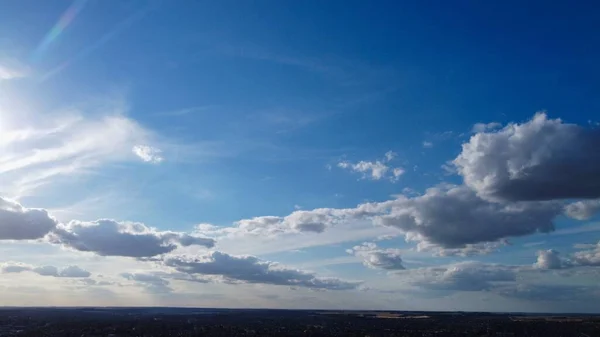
{"type": "Point", "coordinates": [541, 159]}
{"type": "Point", "coordinates": [483, 127]}
{"type": "Point", "coordinates": [550, 259]}
{"type": "Point", "coordinates": [588, 257]}
{"type": "Point", "coordinates": [301, 221]}
{"type": "Point", "coordinates": [148, 154]}
{"type": "Point", "coordinates": [70, 271]}
{"type": "Point", "coordinates": [583, 210]}
{"type": "Point", "coordinates": [390, 155]}
{"type": "Point", "coordinates": [374, 170]}
{"type": "Point", "coordinates": [377, 258]}
{"type": "Point", "coordinates": [107, 237]}
{"type": "Point", "coordinates": [249, 269]}
{"type": "Point", "coordinates": [20, 223]}
{"type": "Point", "coordinates": [427, 144]}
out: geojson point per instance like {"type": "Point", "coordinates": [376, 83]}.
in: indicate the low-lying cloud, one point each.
{"type": "Point", "coordinates": [132, 239]}
{"type": "Point", "coordinates": [20, 223]}
{"type": "Point", "coordinates": [250, 269]}
{"type": "Point", "coordinates": [377, 258]}
{"type": "Point", "coordinates": [70, 271]}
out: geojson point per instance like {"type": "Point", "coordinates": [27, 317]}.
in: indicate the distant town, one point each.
{"type": "Point", "coordinates": [145, 322]}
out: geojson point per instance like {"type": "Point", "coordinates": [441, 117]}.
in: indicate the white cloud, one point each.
{"type": "Point", "coordinates": [301, 221]}
{"type": "Point", "coordinates": [132, 239]}
{"type": "Point", "coordinates": [374, 170]}
{"type": "Point", "coordinates": [390, 155]}
{"type": "Point", "coordinates": [550, 259]}
{"type": "Point", "coordinates": [69, 272]}
{"type": "Point", "coordinates": [427, 144]}
{"type": "Point", "coordinates": [397, 172]}
{"type": "Point", "coordinates": [148, 154]}
{"type": "Point", "coordinates": [483, 127]}
{"type": "Point", "coordinates": [589, 257]}
{"type": "Point", "coordinates": [541, 159]}
{"type": "Point", "coordinates": [583, 210]}
{"type": "Point", "coordinates": [249, 269]}
{"type": "Point", "coordinates": [374, 257]}
{"type": "Point", "coordinates": [20, 223]}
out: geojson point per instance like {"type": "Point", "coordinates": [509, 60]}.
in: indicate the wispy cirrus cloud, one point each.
{"type": "Point", "coordinates": [41, 148]}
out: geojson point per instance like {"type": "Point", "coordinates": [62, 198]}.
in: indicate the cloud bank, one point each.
{"type": "Point", "coordinates": [249, 269]}
{"type": "Point", "coordinates": [69, 272]}
{"type": "Point", "coordinates": [107, 237]}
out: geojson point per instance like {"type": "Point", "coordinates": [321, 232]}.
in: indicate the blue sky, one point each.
{"type": "Point", "coordinates": [396, 155]}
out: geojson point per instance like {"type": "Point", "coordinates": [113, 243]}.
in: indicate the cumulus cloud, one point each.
{"type": "Point", "coordinates": [20, 223]}
{"type": "Point", "coordinates": [454, 216]}
{"type": "Point", "coordinates": [377, 258]}
{"type": "Point", "coordinates": [550, 259]}
{"type": "Point", "coordinates": [70, 271]}
{"type": "Point", "coordinates": [111, 238]}
{"type": "Point", "coordinates": [374, 170]}
{"type": "Point", "coordinates": [148, 154]}
{"type": "Point", "coordinates": [588, 257]}
{"type": "Point", "coordinates": [152, 283]}
{"type": "Point", "coordinates": [541, 159]}
{"type": "Point", "coordinates": [583, 209]}
{"type": "Point", "coordinates": [74, 271]}
{"type": "Point", "coordinates": [249, 269]}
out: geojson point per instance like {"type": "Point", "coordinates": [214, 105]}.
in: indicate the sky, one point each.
{"type": "Point", "coordinates": [300, 154]}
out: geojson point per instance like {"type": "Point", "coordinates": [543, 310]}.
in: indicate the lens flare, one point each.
{"type": "Point", "coordinates": [65, 20]}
